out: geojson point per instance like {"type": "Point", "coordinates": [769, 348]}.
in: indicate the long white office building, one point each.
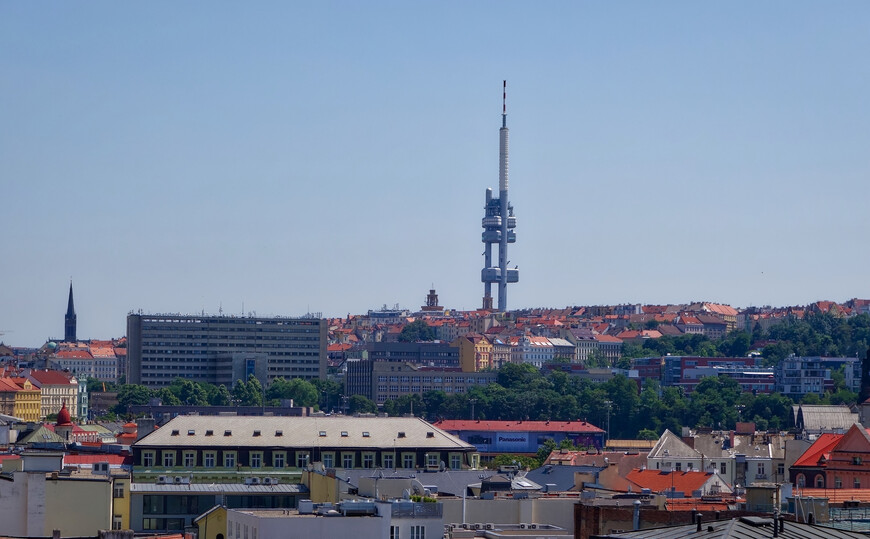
{"type": "Point", "coordinates": [223, 349]}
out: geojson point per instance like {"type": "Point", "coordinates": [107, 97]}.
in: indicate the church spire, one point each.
{"type": "Point", "coordinates": [69, 326]}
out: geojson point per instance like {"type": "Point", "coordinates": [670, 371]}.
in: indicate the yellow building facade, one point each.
{"type": "Point", "coordinates": [475, 352]}
{"type": "Point", "coordinates": [28, 402]}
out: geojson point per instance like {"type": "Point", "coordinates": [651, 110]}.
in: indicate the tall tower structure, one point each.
{"type": "Point", "coordinates": [69, 321]}
{"type": "Point", "coordinates": [498, 225]}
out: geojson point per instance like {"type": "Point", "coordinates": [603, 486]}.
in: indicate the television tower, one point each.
{"type": "Point", "coordinates": [498, 224]}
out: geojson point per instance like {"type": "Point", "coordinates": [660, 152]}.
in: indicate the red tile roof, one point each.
{"type": "Point", "coordinates": [54, 378]}
{"type": "Point", "coordinates": [821, 447]}
{"type": "Point", "coordinates": [659, 481]}
{"type": "Point", "coordinates": [73, 354]}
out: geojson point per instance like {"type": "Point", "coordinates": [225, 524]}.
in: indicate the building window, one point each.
{"type": "Point", "coordinates": [838, 483]}
{"type": "Point", "coordinates": [388, 460]}
{"type": "Point", "coordinates": [820, 482]}
{"type": "Point", "coordinates": [347, 460]}
{"type": "Point", "coordinates": [431, 460]}
{"type": "Point", "coordinates": [780, 469]}
{"type": "Point", "coordinates": [368, 460]}
{"type": "Point", "coordinates": [394, 532]}
{"type": "Point", "coordinates": [301, 459]}
{"type": "Point", "coordinates": [148, 459]}
{"type": "Point", "coordinates": [116, 522]}
{"type": "Point", "coordinates": [856, 460]}
{"type": "Point", "coordinates": [761, 469]}
{"type": "Point", "coordinates": [801, 480]}
{"type": "Point", "coordinates": [418, 532]}
{"type": "Point", "coordinates": [856, 483]}
{"type": "Point", "coordinates": [455, 462]}
{"type": "Point", "coordinates": [208, 459]}
{"type": "Point", "coordinates": [256, 459]}
{"type": "Point", "coordinates": [229, 459]}
{"type": "Point", "coordinates": [408, 460]}
{"type": "Point", "coordinates": [168, 459]}
{"type": "Point", "coordinates": [189, 459]}
{"type": "Point", "coordinates": [118, 490]}
{"type": "Point", "coordinates": [678, 466]}
{"type": "Point", "coordinates": [328, 460]}
{"type": "Point", "coordinates": [278, 459]}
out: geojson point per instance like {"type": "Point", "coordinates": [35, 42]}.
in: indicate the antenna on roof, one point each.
{"type": "Point", "coordinates": [504, 104]}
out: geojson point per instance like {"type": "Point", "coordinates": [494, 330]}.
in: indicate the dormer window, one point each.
{"type": "Point", "coordinates": [856, 460]}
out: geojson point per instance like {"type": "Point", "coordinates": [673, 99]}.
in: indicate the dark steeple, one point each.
{"type": "Point", "coordinates": [69, 326]}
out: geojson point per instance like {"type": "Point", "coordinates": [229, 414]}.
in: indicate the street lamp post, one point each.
{"type": "Point", "coordinates": [608, 404]}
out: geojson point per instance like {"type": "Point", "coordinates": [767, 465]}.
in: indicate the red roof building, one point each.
{"type": "Point", "coordinates": [682, 484]}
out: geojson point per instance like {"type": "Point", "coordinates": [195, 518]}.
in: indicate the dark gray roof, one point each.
{"type": "Point", "coordinates": [561, 476]}
{"type": "Point", "coordinates": [448, 482]}
{"type": "Point", "coordinates": [744, 527]}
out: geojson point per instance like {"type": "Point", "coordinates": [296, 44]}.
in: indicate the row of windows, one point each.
{"type": "Point", "coordinates": [416, 389]}
{"type": "Point", "coordinates": [348, 459]}
{"type": "Point", "coordinates": [820, 481]}
{"type": "Point", "coordinates": [437, 379]}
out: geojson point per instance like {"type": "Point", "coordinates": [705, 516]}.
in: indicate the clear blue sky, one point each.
{"type": "Point", "coordinates": [333, 157]}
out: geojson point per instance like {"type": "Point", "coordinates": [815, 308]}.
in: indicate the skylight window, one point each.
{"type": "Point", "coordinates": [344, 434]}
{"type": "Point", "coordinates": [228, 433]}
{"type": "Point", "coordinates": [366, 434]}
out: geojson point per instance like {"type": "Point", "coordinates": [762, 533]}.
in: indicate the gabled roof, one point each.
{"type": "Point", "coordinates": [820, 448]}
{"type": "Point", "coordinates": [820, 417]}
{"type": "Point", "coordinates": [52, 378]}
{"type": "Point", "coordinates": [672, 446]}
{"type": "Point", "coordinates": [332, 431]}
{"type": "Point", "coordinates": [660, 481]}
{"type": "Point", "coordinates": [41, 435]}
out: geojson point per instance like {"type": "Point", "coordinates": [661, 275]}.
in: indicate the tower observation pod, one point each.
{"type": "Point", "coordinates": [498, 225]}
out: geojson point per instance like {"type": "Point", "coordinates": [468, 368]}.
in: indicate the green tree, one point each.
{"type": "Point", "coordinates": [221, 397]}
{"type": "Point", "coordinates": [167, 397]}
{"type": "Point", "coordinates": [302, 392]}
{"type": "Point", "coordinates": [647, 434]}
{"type": "Point", "coordinates": [517, 375]}
{"type": "Point", "coordinates": [249, 393]}
{"type": "Point", "coordinates": [358, 404]}
{"type": "Point", "coordinates": [406, 404]}
{"type": "Point", "coordinates": [417, 331]}
{"type": "Point", "coordinates": [596, 359]}
{"type": "Point", "coordinates": [131, 395]}
{"type": "Point", "coordinates": [330, 393]}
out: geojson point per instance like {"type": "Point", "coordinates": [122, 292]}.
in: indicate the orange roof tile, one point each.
{"type": "Point", "coordinates": [660, 481]}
